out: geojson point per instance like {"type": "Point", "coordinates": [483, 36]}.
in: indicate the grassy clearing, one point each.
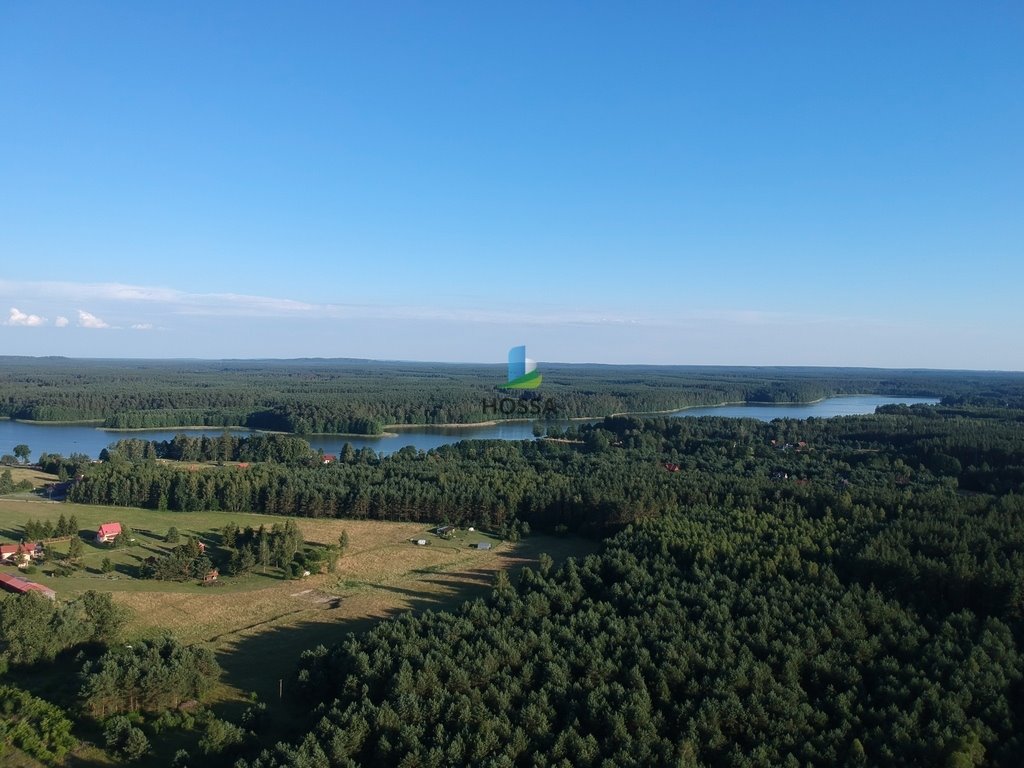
{"type": "Point", "coordinates": [260, 623]}
{"type": "Point", "coordinates": [37, 477]}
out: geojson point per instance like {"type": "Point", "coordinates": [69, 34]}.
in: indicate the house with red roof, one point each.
{"type": "Point", "coordinates": [108, 532]}
{"type": "Point", "coordinates": [20, 553]}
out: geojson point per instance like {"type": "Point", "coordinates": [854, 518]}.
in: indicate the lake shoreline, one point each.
{"type": "Point", "coordinates": [443, 425]}
{"type": "Point", "coordinates": [68, 439]}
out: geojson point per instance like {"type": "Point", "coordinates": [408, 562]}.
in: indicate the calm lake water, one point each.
{"type": "Point", "coordinates": [77, 438]}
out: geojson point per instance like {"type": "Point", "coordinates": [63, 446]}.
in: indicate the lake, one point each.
{"type": "Point", "coordinates": [79, 438]}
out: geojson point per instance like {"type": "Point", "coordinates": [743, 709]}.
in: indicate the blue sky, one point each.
{"type": "Point", "coordinates": [713, 183]}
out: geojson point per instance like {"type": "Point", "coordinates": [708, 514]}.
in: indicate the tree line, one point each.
{"type": "Point", "coordinates": [363, 396]}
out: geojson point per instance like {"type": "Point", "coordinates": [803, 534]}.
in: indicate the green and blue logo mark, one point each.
{"type": "Point", "coordinates": [522, 371]}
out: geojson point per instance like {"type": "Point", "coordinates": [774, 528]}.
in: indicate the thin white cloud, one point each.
{"type": "Point", "coordinates": [142, 327]}
{"type": "Point", "coordinates": [61, 321]}
{"type": "Point", "coordinates": [158, 303]}
{"type": "Point", "coordinates": [17, 317]}
{"type": "Point", "coordinates": [89, 320]}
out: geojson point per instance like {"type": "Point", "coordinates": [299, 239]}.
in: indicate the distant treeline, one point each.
{"type": "Point", "coordinates": [610, 474]}
{"type": "Point", "coordinates": [361, 397]}
{"type": "Point", "coordinates": [283, 449]}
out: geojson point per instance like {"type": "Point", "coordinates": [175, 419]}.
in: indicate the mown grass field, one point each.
{"type": "Point", "coordinates": [260, 623]}
{"type": "Point", "coordinates": [37, 477]}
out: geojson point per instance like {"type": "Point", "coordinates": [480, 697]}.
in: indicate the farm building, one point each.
{"type": "Point", "coordinates": [20, 553]}
{"type": "Point", "coordinates": [421, 542]}
{"type": "Point", "coordinates": [483, 545]}
{"type": "Point", "coordinates": [108, 532]}
{"type": "Point", "coordinates": [24, 586]}
{"type": "Point", "coordinates": [444, 530]}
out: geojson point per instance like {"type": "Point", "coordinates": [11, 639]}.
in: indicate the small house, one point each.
{"type": "Point", "coordinates": [20, 553]}
{"type": "Point", "coordinates": [671, 467]}
{"type": "Point", "coordinates": [211, 576]}
{"type": "Point", "coordinates": [483, 545]}
{"type": "Point", "coordinates": [444, 530]}
{"type": "Point", "coordinates": [108, 532]}
{"type": "Point", "coordinates": [328, 458]}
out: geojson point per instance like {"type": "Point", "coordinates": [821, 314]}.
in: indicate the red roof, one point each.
{"type": "Point", "coordinates": [109, 529]}
{"type": "Point", "coordinates": [11, 549]}
{"type": "Point", "coordinates": [23, 586]}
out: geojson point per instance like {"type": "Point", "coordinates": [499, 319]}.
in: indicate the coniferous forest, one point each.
{"type": "Point", "coordinates": [362, 397]}
{"type": "Point", "coordinates": [845, 592]}
{"type": "Point", "coordinates": [821, 592]}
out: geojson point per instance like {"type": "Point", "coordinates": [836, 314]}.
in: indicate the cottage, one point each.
{"type": "Point", "coordinates": [20, 553]}
{"type": "Point", "coordinates": [483, 545]}
{"type": "Point", "coordinates": [22, 586]}
{"type": "Point", "coordinates": [328, 458]}
{"type": "Point", "coordinates": [211, 576]}
{"type": "Point", "coordinates": [444, 530]}
{"type": "Point", "coordinates": [671, 467]}
{"type": "Point", "coordinates": [108, 532]}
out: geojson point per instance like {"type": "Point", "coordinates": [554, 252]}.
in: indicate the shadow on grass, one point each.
{"type": "Point", "coordinates": [263, 658]}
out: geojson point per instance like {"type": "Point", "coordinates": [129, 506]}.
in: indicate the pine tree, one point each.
{"type": "Point", "coordinates": [75, 549]}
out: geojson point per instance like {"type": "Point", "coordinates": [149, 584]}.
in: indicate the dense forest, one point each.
{"type": "Point", "coordinates": [354, 396]}
{"type": "Point", "coordinates": [844, 591]}
{"type": "Point", "coordinates": [849, 594]}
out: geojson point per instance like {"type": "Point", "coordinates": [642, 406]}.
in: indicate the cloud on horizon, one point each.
{"type": "Point", "coordinates": [89, 320]}
{"type": "Point", "coordinates": [155, 302]}
{"type": "Point", "coordinates": [17, 317]}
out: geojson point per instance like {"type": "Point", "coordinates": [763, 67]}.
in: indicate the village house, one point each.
{"type": "Point", "coordinates": [444, 530]}
{"type": "Point", "coordinates": [108, 532]}
{"type": "Point", "coordinates": [20, 553]}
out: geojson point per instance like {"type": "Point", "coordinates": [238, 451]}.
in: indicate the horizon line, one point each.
{"type": "Point", "coordinates": [499, 364]}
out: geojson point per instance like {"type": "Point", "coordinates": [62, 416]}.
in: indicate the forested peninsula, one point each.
{"type": "Point", "coordinates": [364, 397]}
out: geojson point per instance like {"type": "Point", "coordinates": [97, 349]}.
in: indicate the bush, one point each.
{"type": "Point", "coordinates": [220, 736]}
{"type": "Point", "coordinates": [36, 727]}
{"type": "Point", "coordinates": [125, 739]}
